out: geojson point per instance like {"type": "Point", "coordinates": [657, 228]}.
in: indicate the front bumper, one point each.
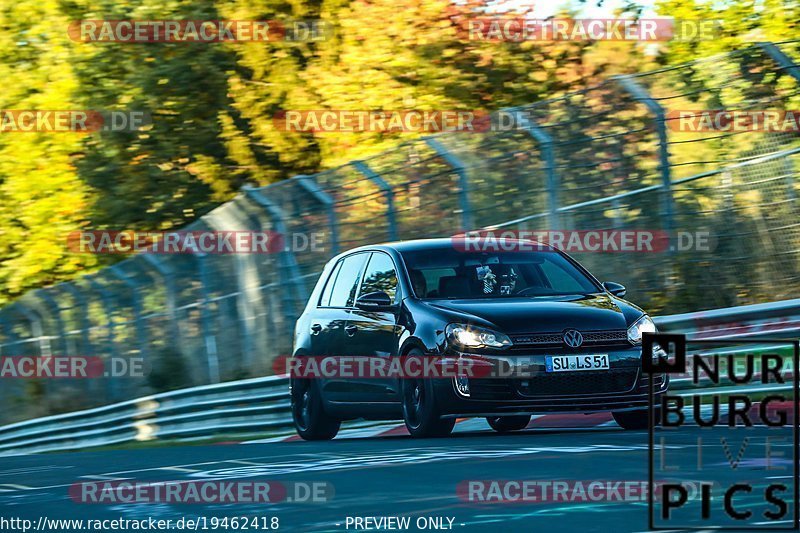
{"type": "Point", "coordinates": [533, 390]}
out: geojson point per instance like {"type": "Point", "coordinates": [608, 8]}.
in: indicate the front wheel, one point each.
{"type": "Point", "coordinates": [420, 413]}
{"type": "Point", "coordinates": [502, 424]}
{"type": "Point", "coordinates": [308, 414]}
{"type": "Point", "coordinates": [638, 419]}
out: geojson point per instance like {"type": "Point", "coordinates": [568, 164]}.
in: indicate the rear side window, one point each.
{"type": "Point", "coordinates": [345, 284]}
{"type": "Point", "coordinates": [380, 276]}
{"type": "Point", "coordinates": [325, 299]}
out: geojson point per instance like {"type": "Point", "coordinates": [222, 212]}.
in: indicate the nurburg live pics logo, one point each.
{"type": "Point", "coordinates": [746, 449]}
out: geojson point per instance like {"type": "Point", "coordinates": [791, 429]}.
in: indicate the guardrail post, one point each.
{"type": "Point", "coordinates": [783, 61]}
{"type": "Point", "coordinates": [310, 185]}
{"type": "Point", "coordinates": [388, 193]}
{"type": "Point", "coordinates": [210, 340]}
{"type": "Point", "coordinates": [141, 333]}
{"type": "Point", "coordinates": [548, 156]}
{"type": "Point", "coordinates": [288, 260]}
{"type": "Point", "coordinates": [640, 94]}
{"type": "Point", "coordinates": [171, 297]}
{"type": "Point", "coordinates": [463, 179]}
{"type": "Point", "coordinates": [50, 302]}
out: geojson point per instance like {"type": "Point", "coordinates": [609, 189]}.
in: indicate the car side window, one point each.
{"type": "Point", "coordinates": [344, 288]}
{"type": "Point", "coordinates": [325, 299]}
{"type": "Point", "coordinates": [381, 275]}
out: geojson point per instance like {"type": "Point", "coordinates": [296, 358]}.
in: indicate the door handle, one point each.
{"type": "Point", "coordinates": [315, 329]}
{"type": "Point", "coordinates": [350, 330]}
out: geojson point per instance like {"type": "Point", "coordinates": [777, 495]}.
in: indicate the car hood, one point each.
{"type": "Point", "coordinates": [539, 315]}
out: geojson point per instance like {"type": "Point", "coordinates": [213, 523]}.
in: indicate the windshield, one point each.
{"type": "Point", "coordinates": [452, 274]}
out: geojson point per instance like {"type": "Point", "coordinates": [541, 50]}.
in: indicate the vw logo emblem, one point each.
{"type": "Point", "coordinates": [573, 338]}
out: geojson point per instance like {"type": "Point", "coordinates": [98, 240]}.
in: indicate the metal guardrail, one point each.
{"type": "Point", "coordinates": [261, 405]}
{"type": "Point", "coordinates": [768, 319]}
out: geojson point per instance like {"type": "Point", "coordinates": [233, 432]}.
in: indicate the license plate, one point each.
{"type": "Point", "coordinates": [574, 363]}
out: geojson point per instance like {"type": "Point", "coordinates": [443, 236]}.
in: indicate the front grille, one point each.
{"type": "Point", "coordinates": [608, 337]}
{"type": "Point", "coordinates": [555, 384]}
{"type": "Point", "coordinates": [577, 383]}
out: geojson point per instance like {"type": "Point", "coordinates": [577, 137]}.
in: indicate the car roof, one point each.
{"type": "Point", "coordinates": [435, 244]}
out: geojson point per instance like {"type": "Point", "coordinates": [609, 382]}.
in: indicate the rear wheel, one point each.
{"type": "Point", "coordinates": [635, 419]}
{"type": "Point", "coordinates": [420, 413]}
{"type": "Point", "coordinates": [501, 424]}
{"type": "Point", "coordinates": [308, 413]}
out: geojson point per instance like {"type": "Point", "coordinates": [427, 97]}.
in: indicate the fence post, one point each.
{"type": "Point", "coordinates": [141, 333]}
{"type": "Point", "coordinates": [37, 329]}
{"type": "Point", "coordinates": [5, 331]}
{"type": "Point", "coordinates": [388, 193]}
{"type": "Point", "coordinates": [80, 299]}
{"type": "Point", "coordinates": [640, 94]}
{"type": "Point", "coordinates": [210, 341]}
{"type": "Point", "coordinates": [463, 179]}
{"type": "Point", "coordinates": [288, 260]}
{"type": "Point", "coordinates": [310, 185]}
{"type": "Point", "coordinates": [171, 297]}
{"type": "Point", "coordinates": [246, 317]}
{"type": "Point", "coordinates": [548, 155]}
{"type": "Point", "coordinates": [8, 328]}
{"type": "Point", "coordinates": [105, 299]}
{"type": "Point", "coordinates": [783, 61]}
{"type": "Point", "coordinates": [50, 302]}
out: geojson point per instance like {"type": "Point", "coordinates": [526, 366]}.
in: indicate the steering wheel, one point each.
{"type": "Point", "coordinates": [524, 292]}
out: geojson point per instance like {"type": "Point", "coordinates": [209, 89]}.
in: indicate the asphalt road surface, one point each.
{"type": "Point", "coordinates": [394, 475]}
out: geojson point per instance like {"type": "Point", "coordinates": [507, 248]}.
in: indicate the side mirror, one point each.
{"type": "Point", "coordinates": [375, 301]}
{"type": "Point", "coordinates": [615, 288]}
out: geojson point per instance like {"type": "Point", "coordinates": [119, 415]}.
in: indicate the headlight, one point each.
{"type": "Point", "coordinates": [643, 325]}
{"type": "Point", "coordinates": [475, 337]}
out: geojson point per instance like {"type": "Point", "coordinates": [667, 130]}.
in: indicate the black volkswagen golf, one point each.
{"type": "Point", "coordinates": [574, 340]}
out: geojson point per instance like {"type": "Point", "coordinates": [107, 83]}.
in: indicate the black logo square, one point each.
{"type": "Point", "coordinates": [674, 344]}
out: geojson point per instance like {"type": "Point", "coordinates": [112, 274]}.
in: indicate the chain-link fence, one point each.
{"type": "Point", "coordinates": [604, 158]}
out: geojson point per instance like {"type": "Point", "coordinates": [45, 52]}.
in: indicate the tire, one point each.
{"type": "Point", "coordinates": [503, 424]}
{"type": "Point", "coordinates": [635, 420]}
{"type": "Point", "coordinates": [308, 413]}
{"type": "Point", "coordinates": [420, 413]}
